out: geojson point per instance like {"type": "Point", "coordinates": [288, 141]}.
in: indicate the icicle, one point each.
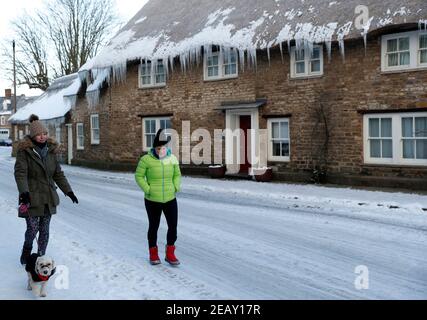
{"type": "Point", "coordinates": [171, 62]}
{"type": "Point", "coordinates": [165, 66]}
{"type": "Point", "coordinates": [269, 56]}
{"type": "Point", "coordinates": [93, 98]}
{"type": "Point", "coordinates": [329, 49]}
{"type": "Point", "coordinates": [119, 72]}
{"type": "Point", "coordinates": [341, 33]}
{"type": "Point", "coordinates": [281, 51]}
{"type": "Point", "coordinates": [241, 59]}
{"type": "Point", "coordinates": [365, 32]}
{"type": "Point", "coordinates": [71, 101]}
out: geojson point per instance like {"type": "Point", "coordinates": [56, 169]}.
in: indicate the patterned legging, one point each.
{"type": "Point", "coordinates": [38, 225]}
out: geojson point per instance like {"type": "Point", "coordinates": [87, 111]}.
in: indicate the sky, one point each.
{"type": "Point", "coordinates": [10, 10]}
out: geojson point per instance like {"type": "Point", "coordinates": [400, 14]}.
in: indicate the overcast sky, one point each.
{"type": "Point", "coordinates": [126, 10]}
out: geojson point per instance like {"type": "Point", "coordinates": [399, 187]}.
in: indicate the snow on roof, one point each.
{"type": "Point", "coordinates": [169, 28]}
{"type": "Point", "coordinates": [58, 99]}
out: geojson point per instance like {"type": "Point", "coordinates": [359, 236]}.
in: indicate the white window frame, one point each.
{"type": "Point", "coordinates": [397, 139]}
{"type": "Point", "coordinates": [421, 49]}
{"type": "Point", "coordinates": [3, 121]}
{"type": "Point", "coordinates": [307, 59]}
{"type": "Point", "coordinates": [144, 133]}
{"type": "Point", "coordinates": [58, 134]}
{"type": "Point", "coordinates": [92, 138]}
{"type": "Point", "coordinates": [153, 74]}
{"type": "Point", "coordinates": [221, 66]}
{"type": "Point", "coordinates": [80, 146]}
{"type": "Point", "coordinates": [271, 157]}
{"type": "Point", "coordinates": [414, 50]}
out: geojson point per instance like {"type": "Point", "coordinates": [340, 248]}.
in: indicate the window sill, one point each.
{"type": "Point", "coordinates": [391, 71]}
{"type": "Point", "coordinates": [220, 78]}
{"type": "Point", "coordinates": [317, 76]}
{"type": "Point", "coordinates": [159, 86]}
{"type": "Point", "coordinates": [394, 165]}
{"type": "Point", "coordinates": [279, 160]}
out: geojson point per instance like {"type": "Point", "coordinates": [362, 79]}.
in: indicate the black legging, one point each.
{"type": "Point", "coordinates": [38, 225]}
{"type": "Point", "coordinates": [154, 211]}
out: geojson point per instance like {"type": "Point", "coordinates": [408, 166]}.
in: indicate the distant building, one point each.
{"type": "Point", "coordinates": [6, 111]}
{"type": "Point", "coordinates": [53, 108]}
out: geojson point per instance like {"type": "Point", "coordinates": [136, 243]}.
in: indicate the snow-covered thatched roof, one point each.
{"type": "Point", "coordinates": [53, 104]}
{"type": "Point", "coordinates": [164, 29]}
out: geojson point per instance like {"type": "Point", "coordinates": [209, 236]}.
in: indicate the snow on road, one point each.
{"type": "Point", "coordinates": [237, 240]}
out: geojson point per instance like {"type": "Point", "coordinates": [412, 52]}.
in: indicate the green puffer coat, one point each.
{"type": "Point", "coordinates": [159, 179]}
{"type": "Point", "coordinates": [33, 176]}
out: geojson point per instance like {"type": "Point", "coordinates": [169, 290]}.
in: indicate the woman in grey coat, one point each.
{"type": "Point", "coordinates": [37, 173]}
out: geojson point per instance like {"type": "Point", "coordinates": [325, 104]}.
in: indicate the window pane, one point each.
{"type": "Point", "coordinates": [404, 58]}
{"type": "Point", "coordinates": [374, 128]}
{"type": "Point", "coordinates": [315, 66]}
{"type": "Point", "coordinates": [421, 127]}
{"type": "Point", "coordinates": [393, 60]}
{"type": "Point", "coordinates": [386, 128]}
{"type": "Point", "coordinates": [408, 149]}
{"type": "Point", "coordinates": [149, 140]}
{"type": "Point", "coordinates": [315, 54]}
{"type": "Point", "coordinates": [160, 78]}
{"type": "Point", "coordinates": [375, 148]}
{"type": "Point", "coordinates": [276, 133]}
{"type": "Point", "coordinates": [407, 130]}
{"type": "Point", "coordinates": [285, 149]}
{"type": "Point", "coordinates": [165, 124]}
{"type": "Point", "coordinates": [422, 149]}
{"type": "Point", "coordinates": [403, 44]}
{"type": "Point", "coordinates": [387, 149]}
{"type": "Point", "coordinates": [276, 149]}
{"type": "Point", "coordinates": [300, 67]}
{"type": "Point", "coordinates": [392, 45]}
{"type": "Point", "coordinates": [146, 80]}
{"type": "Point", "coordinates": [213, 71]}
{"type": "Point", "coordinates": [423, 57]}
{"type": "Point", "coordinates": [423, 41]}
{"type": "Point", "coordinates": [284, 130]}
{"type": "Point", "coordinates": [299, 55]}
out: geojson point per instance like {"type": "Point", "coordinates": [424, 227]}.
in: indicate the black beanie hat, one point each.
{"type": "Point", "coordinates": [161, 139]}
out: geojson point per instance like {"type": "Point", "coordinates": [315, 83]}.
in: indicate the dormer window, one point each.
{"type": "Point", "coordinates": [152, 75]}
{"type": "Point", "coordinates": [220, 64]}
{"type": "Point", "coordinates": [305, 64]}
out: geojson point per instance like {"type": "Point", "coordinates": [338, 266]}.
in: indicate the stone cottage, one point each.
{"type": "Point", "coordinates": [315, 90]}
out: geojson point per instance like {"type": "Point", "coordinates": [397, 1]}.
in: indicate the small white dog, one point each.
{"type": "Point", "coordinates": [39, 270]}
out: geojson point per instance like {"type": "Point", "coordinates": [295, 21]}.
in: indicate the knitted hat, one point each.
{"type": "Point", "coordinates": [161, 139]}
{"type": "Point", "coordinates": [36, 127]}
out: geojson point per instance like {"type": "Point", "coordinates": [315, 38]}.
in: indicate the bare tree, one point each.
{"type": "Point", "coordinates": [320, 137]}
{"type": "Point", "coordinates": [31, 54]}
{"type": "Point", "coordinates": [61, 38]}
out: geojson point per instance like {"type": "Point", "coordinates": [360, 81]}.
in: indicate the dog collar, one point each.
{"type": "Point", "coordinates": [42, 278]}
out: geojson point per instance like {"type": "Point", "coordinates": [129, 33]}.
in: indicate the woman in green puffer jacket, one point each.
{"type": "Point", "coordinates": [159, 176]}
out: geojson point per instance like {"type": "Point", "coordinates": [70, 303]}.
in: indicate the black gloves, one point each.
{"type": "Point", "coordinates": [24, 198]}
{"type": "Point", "coordinates": [73, 197]}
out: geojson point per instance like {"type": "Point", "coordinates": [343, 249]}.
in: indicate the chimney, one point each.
{"type": "Point", "coordinates": [8, 93]}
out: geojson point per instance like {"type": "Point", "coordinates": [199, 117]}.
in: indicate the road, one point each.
{"type": "Point", "coordinates": [231, 246]}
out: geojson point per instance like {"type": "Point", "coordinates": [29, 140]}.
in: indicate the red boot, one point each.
{"type": "Point", "coordinates": [170, 256]}
{"type": "Point", "coordinates": [154, 256]}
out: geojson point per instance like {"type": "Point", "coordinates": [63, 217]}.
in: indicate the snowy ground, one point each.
{"type": "Point", "coordinates": [237, 240]}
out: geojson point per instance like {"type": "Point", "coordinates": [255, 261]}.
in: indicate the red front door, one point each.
{"type": "Point", "coordinates": [245, 125]}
